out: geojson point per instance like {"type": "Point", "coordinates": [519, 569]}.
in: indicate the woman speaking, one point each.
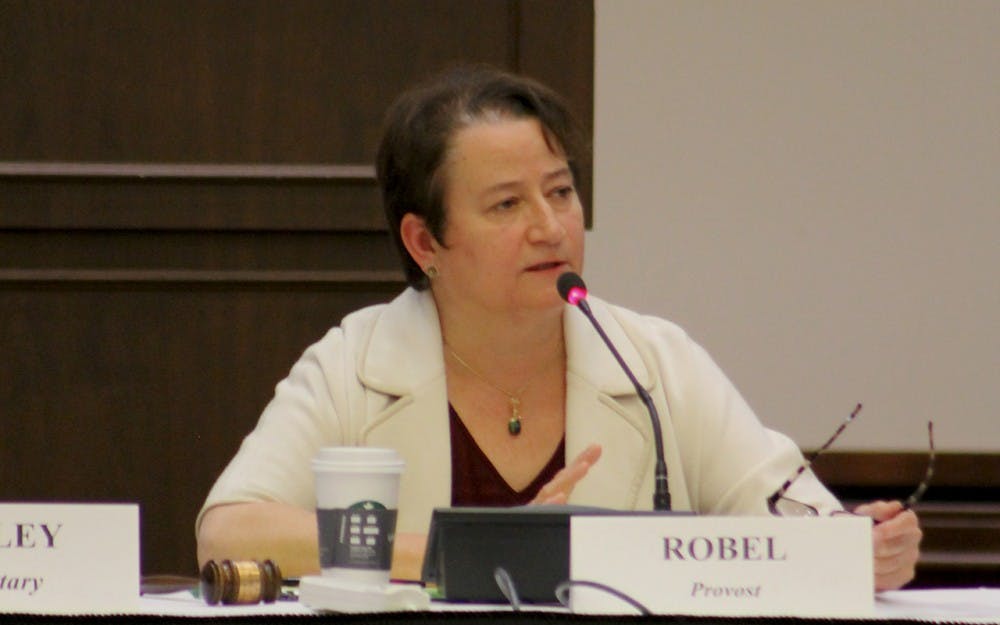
{"type": "Point", "coordinates": [495, 391]}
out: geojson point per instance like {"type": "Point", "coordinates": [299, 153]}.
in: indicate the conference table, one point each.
{"type": "Point", "coordinates": [960, 605]}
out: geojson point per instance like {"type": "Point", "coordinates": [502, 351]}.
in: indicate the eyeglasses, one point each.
{"type": "Point", "coordinates": [780, 505]}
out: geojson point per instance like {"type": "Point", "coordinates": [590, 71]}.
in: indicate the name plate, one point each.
{"type": "Point", "coordinates": [69, 558]}
{"type": "Point", "coordinates": [724, 566]}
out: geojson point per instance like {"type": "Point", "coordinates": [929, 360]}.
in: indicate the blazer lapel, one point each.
{"type": "Point", "coordinates": [402, 368]}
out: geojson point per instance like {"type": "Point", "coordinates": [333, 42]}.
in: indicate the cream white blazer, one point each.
{"type": "Point", "coordinates": [379, 380]}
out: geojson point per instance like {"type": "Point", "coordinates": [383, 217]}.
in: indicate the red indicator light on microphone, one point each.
{"type": "Point", "coordinates": [571, 288]}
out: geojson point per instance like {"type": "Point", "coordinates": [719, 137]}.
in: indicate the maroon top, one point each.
{"type": "Point", "coordinates": [476, 482]}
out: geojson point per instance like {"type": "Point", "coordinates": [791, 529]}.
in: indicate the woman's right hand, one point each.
{"type": "Point", "coordinates": [558, 490]}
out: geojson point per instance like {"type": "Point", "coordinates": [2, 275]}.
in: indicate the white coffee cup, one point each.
{"type": "Point", "coordinates": [357, 490]}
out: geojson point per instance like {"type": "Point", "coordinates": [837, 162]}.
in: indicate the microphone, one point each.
{"type": "Point", "coordinates": [574, 291]}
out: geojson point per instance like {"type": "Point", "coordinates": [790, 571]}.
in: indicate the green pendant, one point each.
{"type": "Point", "coordinates": [514, 426]}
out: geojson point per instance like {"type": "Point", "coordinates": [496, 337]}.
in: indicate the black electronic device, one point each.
{"type": "Point", "coordinates": [531, 543]}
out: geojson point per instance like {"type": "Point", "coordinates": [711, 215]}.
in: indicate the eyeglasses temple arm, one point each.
{"type": "Point", "coordinates": [778, 494]}
{"type": "Point", "coordinates": [922, 487]}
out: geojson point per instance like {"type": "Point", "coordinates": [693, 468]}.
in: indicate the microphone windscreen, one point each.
{"type": "Point", "coordinates": [567, 282]}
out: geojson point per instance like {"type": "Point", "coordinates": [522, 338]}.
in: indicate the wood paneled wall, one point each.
{"type": "Point", "coordinates": [187, 201]}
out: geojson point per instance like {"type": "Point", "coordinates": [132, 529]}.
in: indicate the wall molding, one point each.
{"type": "Point", "coordinates": [81, 195]}
{"type": "Point", "coordinates": [125, 277]}
{"type": "Point", "coordinates": [188, 171]}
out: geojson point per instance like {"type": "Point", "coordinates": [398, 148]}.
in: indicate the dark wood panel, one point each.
{"type": "Point", "coordinates": [954, 472]}
{"type": "Point", "coordinates": [185, 171]}
{"type": "Point", "coordinates": [154, 204]}
{"type": "Point", "coordinates": [186, 202]}
{"type": "Point", "coordinates": [120, 393]}
{"type": "Point", "coordinates": [223, 80]}
{"type": "Point", "coordinates": [234, 84]}
{"type": "Point", "coordinates": [212, 196]}
{"type": "Point", "coordinates": [107, 250]}
{"type": "Point", "coordinates": [961, 545]}
{"type": "Point", "coordinates": [158, 279]}
{"type": "Point", "coordinates": [960, 512]}
{"type": "Point", "coordinates": [256, 80]}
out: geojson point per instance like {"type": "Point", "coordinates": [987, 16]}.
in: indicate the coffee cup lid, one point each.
{"type": "Point", "coordinates": [358, 459]}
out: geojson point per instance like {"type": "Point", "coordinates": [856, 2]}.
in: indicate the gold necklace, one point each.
{"type": "Point", "coordinates": [514, 423]}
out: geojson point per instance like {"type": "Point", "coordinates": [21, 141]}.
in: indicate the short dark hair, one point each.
{"type": "Point", "coordinates": [420, 125]}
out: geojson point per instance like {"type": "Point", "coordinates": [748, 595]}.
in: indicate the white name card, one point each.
{"type": "Point", "coordinates": [724, 566]}
{"type": "Point", "coordinates": [69, 558]}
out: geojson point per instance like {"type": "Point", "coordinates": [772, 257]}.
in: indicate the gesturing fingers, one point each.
{"type": "Point", "coordinates": [558, 490]}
